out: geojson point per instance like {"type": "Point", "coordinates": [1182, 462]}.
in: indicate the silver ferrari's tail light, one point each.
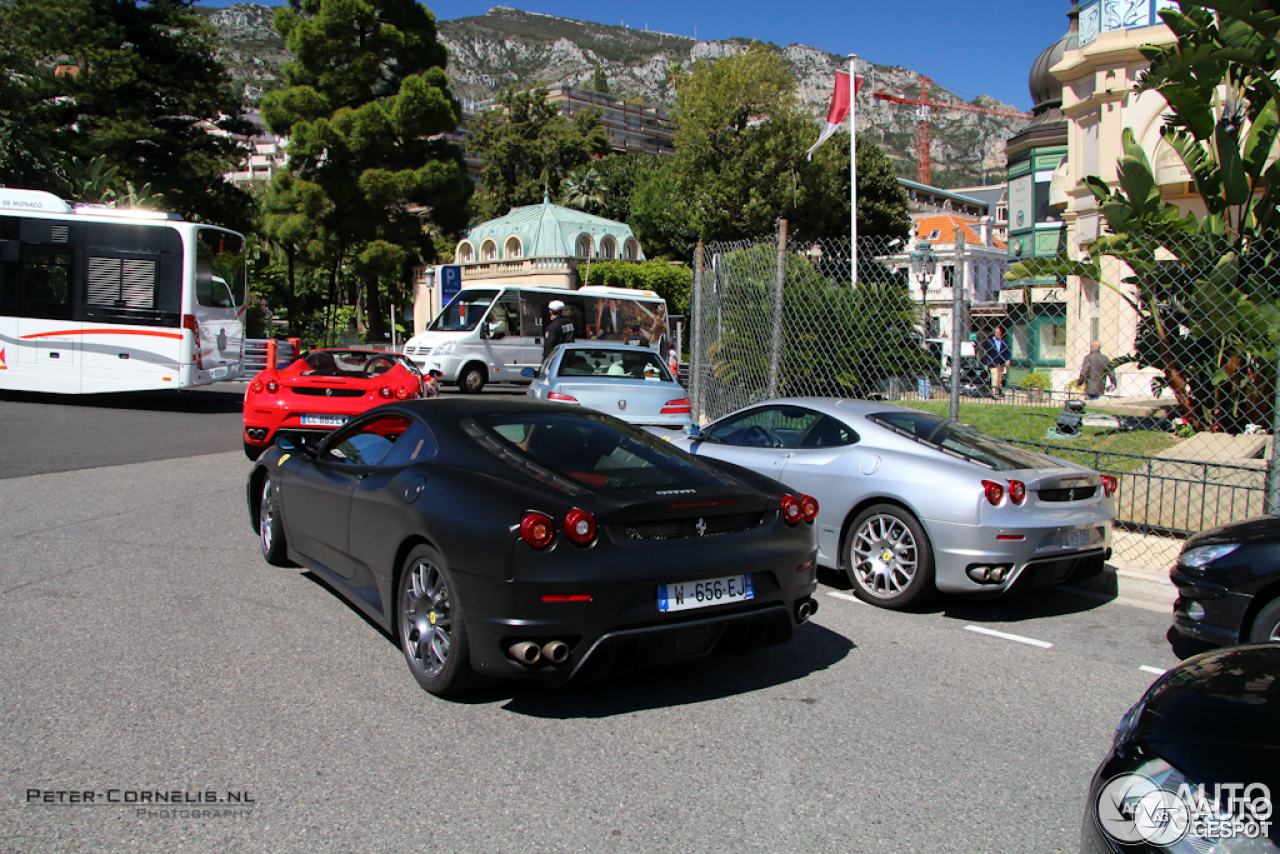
{"type": "Point", "coordinates": [994, 491]}
{"type": "Point", "coordinates": [1017, 491]}
{"type": "Point", "coordinates": [1110, 483]}
{"type": "Point", "coordinates": [809, 506]}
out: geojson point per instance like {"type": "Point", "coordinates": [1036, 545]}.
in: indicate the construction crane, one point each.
{"type": "Point", "coordinates": [924, 171]}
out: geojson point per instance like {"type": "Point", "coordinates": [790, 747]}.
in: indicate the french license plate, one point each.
{"type": "Point", "coordinates": [700, 594]}
{"type": "Point", "coordinates": [314, 420]}
{"type": "Point", "coordinates": [1077, 538]}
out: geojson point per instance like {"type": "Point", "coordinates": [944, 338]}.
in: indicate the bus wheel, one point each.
{"type": "Point", "coordinates": [472, 379]}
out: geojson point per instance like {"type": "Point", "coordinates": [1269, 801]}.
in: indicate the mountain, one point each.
{"type": "Point", "coordinates": [507, 47]}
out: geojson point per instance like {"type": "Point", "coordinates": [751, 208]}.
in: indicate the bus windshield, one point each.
{"type": "Point", "coordinates": [465, 311]}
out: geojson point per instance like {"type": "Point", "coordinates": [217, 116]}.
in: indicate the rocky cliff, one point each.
{"type": "Point", "coordinates": [509, 47]}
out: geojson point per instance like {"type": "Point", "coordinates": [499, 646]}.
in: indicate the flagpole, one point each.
{"type": "Point", "coordinates": [853, 169]}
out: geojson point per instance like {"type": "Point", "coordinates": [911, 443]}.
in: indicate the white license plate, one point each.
{"type": "Point", "coordinates": [1076, 539]}
{"type": "Point", "coordinates": [313, 420]}
{"type": "Point", "coordinates": [701, 594]}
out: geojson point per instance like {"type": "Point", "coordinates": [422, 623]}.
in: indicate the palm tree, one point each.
{"type": "Point", "coordinates": [583, 189]}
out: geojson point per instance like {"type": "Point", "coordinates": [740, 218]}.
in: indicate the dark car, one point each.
{"type": "Point", "coordinates": [521, 538]}
{"type": "Point", "coordinates": [1228, 581]}
{"type": "Point", "coordinates": [1195, 765]}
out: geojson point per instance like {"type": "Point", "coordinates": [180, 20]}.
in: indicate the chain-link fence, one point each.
{"type": "Point", "coordinates": [1158, 366]}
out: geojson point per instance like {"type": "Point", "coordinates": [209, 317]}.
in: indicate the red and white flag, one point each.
{"type": "Point", "coordinates": [839, 108]}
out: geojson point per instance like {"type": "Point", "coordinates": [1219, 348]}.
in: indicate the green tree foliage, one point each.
{"type": "Point", "coordinates": [672, 282]}
{"type": "Point", "coordinates": [136, 83]}
{"type": "Point", "coordinates": [600, 81]}
{"type": "Point", "coordinates": [366, 105]}
{"type": "Point", "coordinates": [740, 164]}
{"type": "Point", "coordinates": [528, 148]}
{"type": "Point", "coordinates": [1203, 287]}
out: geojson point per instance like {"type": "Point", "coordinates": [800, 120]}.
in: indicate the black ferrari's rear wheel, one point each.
{"type": "Point", "coordinates": [888, 557]}
{"type": "Point", "coordinates": [271, 527]}
{"type": "Point", "coordinates": [433, 629]}
{"type": "Point", "coordinates": [472, 379]}
{"type": "Point", "coordinates": [1266, 626]}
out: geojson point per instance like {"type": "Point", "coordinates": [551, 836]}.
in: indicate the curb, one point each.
{"type": "Point", "coordinates": [1132, 583]}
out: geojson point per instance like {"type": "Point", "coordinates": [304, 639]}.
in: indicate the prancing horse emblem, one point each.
{"type": "Point", "coordinates": [328, 392]}
{"type": "Point", "coordinates": [701, 527]}
{"type": "Point", "coordinates": [622, 404]}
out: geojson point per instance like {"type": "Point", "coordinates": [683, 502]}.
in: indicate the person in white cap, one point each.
{"type": "Point", "coordinates": [559, 331]}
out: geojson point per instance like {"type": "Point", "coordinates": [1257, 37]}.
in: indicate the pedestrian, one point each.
{"type": "Point", "coordinates": [995, 358]}
{"type": "Point", "coordinates": [1095, 372]}
{"type": "Point", "coordinates": [559, 330]}
{"type": "Point", "coordinates": [637, 339]}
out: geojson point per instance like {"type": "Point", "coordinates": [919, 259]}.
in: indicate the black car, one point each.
{"type": "Point", "coordinates": [1228, 581]}
{"type": "Point", "coordinates": [1195, 765]}
{"type": "Point", "coordinates": [521, 538]}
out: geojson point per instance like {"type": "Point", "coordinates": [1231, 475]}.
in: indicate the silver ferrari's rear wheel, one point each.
{"type": "Point", "coordinates": [888, 557]}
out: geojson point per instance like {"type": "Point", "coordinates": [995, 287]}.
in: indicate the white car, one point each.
{"type": "Point", "coordinates": [630, 382]}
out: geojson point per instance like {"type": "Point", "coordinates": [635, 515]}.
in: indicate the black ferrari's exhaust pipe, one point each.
{"type": "Point", "coordinates": [557, 652]}
{"type": "Point", "coordinates": [805, 609]}
{"type": "Point", "coordinates": [525, 652]}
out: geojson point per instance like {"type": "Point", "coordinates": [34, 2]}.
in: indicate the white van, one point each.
{"type": "Point", "coordinates": [491, 331]}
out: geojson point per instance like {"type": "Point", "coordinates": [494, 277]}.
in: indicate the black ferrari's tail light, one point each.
{"type": "Point", "coordinates": [1017, 491]}
{"type": "Point", "coordinates": [579, 526]}
{"type": "Point", "coordinates": [994, 491]}
{"type": "Point", "coordinates": [1110, 483]}
{"type": "Point", "coordinates": [385, 392]}
{"type": "Point", "coordinates": [537, 530]}
{"type": "Point", "coordinates": [792, 510]}
{"type": "Point", "coordinates": [809, 506]}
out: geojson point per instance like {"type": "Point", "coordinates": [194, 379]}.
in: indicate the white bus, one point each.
{"type": "Point", "coordinates": [491, 331]}
{"type": "Point", "coordinates": [98, 299]}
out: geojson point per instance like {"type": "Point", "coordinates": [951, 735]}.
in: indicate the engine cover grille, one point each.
{"type": "Point", "coordinates": [690, 529]}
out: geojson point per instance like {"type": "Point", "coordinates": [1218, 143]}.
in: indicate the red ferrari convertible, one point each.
{"type": "Point", "coordinates": [324, 388]}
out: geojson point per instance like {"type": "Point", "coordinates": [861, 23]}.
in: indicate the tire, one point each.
{"type": "Point", "coordinates": [253, 451]}
{"type": "Point", "coordinates": [1266, 626]}
{"type": "Point", "coordinates": [275, 549]}
{"type": "Point", "coordinates": [906, 577]}
{"type": "Point", "coordinates": [472, 379]}
{"type": "Point", "coordinates": [432, 626]}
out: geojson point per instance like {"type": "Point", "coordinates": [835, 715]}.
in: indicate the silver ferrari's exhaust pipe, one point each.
{"type": "Point", "coordinates": [557, 652]}
{"type": "Point", "coordinates": [525, 652]}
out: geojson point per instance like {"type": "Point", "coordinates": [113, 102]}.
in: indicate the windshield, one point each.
{"type": "Point", "coordinates": [638, 364]}
{"type": "Point", "coordinates": [960, 441]}
{"type": "Point", "coordinates": [352, 363]}
{"type": "Point", "coordinates": [599, 452]}
{"type": "Point", "coordinates": [464, 312]}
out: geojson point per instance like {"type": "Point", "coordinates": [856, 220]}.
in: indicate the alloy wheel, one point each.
{"type": "Point", "coordinates": [426, 622]}
{"type": "Point", "coordinates": [266, 515]}
{"type": "Point", "coordinates": [885, 556]}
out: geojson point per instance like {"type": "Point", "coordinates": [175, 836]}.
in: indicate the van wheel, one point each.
{"type": "Point", "coordinates": [472, 379]}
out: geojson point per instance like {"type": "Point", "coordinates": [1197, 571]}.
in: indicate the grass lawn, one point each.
{"type": "Point", "coordinates": [1030, 423]}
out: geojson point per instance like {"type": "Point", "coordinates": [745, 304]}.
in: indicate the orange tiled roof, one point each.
{"type": "Point", "coordinates": [946, 225]}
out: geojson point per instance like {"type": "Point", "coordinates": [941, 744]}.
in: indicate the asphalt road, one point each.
{"type": "Point", "coordinates": [149, 647]}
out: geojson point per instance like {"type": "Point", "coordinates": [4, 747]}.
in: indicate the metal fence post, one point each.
{"type": "Point", "coordinates": [775, 346]}
{"type": "Point", "coordinates": [957, 323]}
{"type": "Point", "coordinates": [1271, 498]}
{"type": "Point", "coordinates": [695, 337]}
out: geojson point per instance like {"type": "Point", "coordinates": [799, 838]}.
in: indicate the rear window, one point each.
{"type": "Point", "coordinates": [638, 364]}
{"type": "Point", "coordinates": [960, 441]}
{"type": "Point", "coordinates": [599, 453]}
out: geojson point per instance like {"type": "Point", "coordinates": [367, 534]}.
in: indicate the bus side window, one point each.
{"type": "Point", "coordinates": [533, 313]}
{"type": "Point", "coordinates": [45, 282]}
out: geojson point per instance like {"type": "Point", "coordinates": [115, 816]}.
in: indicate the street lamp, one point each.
{"type": "Point", "coordinates": [923, 265]}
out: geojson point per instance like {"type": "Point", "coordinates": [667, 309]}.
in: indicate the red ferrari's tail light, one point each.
{"type": "Point", "coordinates": [272, 386]}
{"type": "Point", "coordinates": [580, 526]}
{"type": "Point", "coordinates": [567, 398]}
{"type": "Point", "coordinates": [792, 510]}
{"type": "Point", "coordinates": [537, 530]}
{"type": "Point", "coordinates": [809, 506]}
{"type": "Point", "coordinates": [1110, 483]}
{"type": "Point", "coordinates": [257, 387]}
{"type": "Point", "coordinates": [385, 392]}
{"type": "Point", "coordinates": [402, 393]}
{"type": "Point", "coordinates": [995, 492]}
{"type": "Point", "coordinates": [1017, 491]}
{"type": "Point", "coordinates": [676, 407]}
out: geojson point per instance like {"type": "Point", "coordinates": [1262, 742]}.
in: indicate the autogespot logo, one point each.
{"type": "Point", "coordinates": [1133, 808]}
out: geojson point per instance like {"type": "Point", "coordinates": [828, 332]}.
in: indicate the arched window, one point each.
{"type": "Point", "coordinates": [488, 251]}
{"type": "Point", "coordinates": [583, 249]}
{"type": "Point", "coordinates": [513, 248]}
{"type": "Point", "coordinates": [466, 252]}
{"type": "Point", "coordinates": [609, 248]}
{"type": "Point", "coordinates": [631, 250]}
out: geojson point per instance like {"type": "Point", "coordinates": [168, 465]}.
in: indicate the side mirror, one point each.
{"type": "Point", "coordinates": [693, 431]}
{"type": "Point", "coordinates": [484, 330]}
{"type": "Point", "coordinates": [435, 374]}
{"type": "Point", "coordinates": [528, 372]}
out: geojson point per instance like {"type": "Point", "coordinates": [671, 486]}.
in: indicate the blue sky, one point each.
{"type": "Point", "coordinates": [984, 47]}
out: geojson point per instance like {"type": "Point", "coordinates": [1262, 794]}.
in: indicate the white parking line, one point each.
{"type": "Point", "coordinates": [845, 596]}
{"type": "Point", "coordinates": [1006, 636]}
{"type": "Point", "coordinates": [1156, 670]}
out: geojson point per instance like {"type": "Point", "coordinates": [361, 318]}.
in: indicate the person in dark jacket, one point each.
{"type": "Point", "coordinates": [995, 358]}
{"type": "Point", "coordinates": [1095, 372]}
{"type": "Point", "coordinates": [559, 331]}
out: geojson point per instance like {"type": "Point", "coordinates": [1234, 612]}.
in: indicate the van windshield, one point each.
{"type": "Point", "coordinates": [464, 312]}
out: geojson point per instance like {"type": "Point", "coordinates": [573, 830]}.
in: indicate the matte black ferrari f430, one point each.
{"type": "Point", "coordinates": [518, 538]}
